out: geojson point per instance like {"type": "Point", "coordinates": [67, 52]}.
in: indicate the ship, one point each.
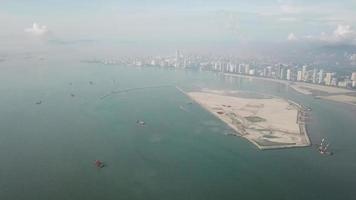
{"type": "Point", "coordinates": [140, 122]}
{"type": "Point", "coordinates": [324, 148]}
{"type": "Point", "coordinates": [99, 164]}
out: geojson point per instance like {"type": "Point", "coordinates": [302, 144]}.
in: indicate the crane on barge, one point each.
{"type": "Point", "coordinates": [324, 148]}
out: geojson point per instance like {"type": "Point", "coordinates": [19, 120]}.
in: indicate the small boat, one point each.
{"type": "Point", "coordinates": [72, 95]}
{"type": "Point", "coordinates": [38, 102]}
{"type": "Point", "coordinates": [142, 123]}
{"type": "Point", "coordinates": [91, 82]}
{"type": "Point", "coordinates": [99, 164]}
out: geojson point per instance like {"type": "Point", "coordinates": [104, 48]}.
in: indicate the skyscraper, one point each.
{"type": "Point", "coordinates": [304, 73]}
{"type": "Point", "coordinates": [328, 78]}
{"type": "Point", "coordinates": [353, 78]}
{"type": "Point", "coordinates": [288, 74]}
{"type": "Point", "coordinates": [300, 76]}
{"type": "Point", "coordinates": [281, 74]}
{"type": "Point", "coordinates": [177, 59]}
{"type": "Point", "coordinates": [321, 76]}
{"type": "Point", "coordinates": [247, 69]}
{"type": "Point", "coordinates": [240, 69]}
{"type": "Point", "coordinates": [314, 76]}
{"type": "Point", "coordinates": [264, 71]}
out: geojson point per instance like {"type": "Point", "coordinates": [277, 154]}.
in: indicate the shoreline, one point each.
{"type": "Point", "coordinates": [334, 94]}
{"type": "Point", "coordinates": [239, 130]}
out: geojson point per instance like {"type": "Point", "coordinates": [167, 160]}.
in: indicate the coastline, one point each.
{"type": "Point", "coordinates": [335, 94]}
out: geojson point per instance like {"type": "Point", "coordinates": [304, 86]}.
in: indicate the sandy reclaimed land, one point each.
{"type": "Point", "coordinates": [268, 123]}
{"type": "Point", "coordinates": [307, 88]}
{"type": "Point", "coordinates": [258, 78]}
{"type": "Point", "coordinates": [341, 98]}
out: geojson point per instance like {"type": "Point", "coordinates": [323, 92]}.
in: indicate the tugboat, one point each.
{"type": "Point", "coordinates": [99, 164]}
{"type": "Point", "coordinates": [324, 148]}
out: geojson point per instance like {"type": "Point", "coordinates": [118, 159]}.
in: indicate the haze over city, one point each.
{"type": "Point", "coordinates": [283, 29]}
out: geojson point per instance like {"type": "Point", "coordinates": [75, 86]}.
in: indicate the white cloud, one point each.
{"type": "Point", "coordinates": [292, 37]}
{"type": "Point", "coordinates": [343, 34]}
{"type": "Point", "coordinates": [37, 30]}
{"type": "Point", "coordinates": [344, 31]}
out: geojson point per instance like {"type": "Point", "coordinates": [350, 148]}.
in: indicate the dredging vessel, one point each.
{"type": "Point", "coordinates": [324, 148]}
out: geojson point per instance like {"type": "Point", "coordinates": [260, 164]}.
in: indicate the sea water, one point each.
{"type": "Point", "coordinates": [47, 150]}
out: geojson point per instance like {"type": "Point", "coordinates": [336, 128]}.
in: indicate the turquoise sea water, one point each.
{"type": "Point", "coordinates": [47, 151]}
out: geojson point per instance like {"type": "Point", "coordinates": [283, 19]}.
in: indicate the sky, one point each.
{"type": "Point", "coordinates": [222, 23]}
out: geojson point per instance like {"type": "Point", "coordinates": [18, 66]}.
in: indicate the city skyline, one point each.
{"type": "Point", "coordinates": [263, 68]}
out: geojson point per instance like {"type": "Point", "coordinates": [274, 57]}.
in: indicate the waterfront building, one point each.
{"type": "Point", "coordinates": [299, 76]}
{"type": "Point", "coordinates": [314, 78]}
{"type": "Point", "coordinates": [240, 69]}
{"type": "Point", "coordinates": [288, 74]}
{"type": "Point", "coordinates": [328, 78]}
{"type": "Point", "coordinates": [281, 74]}
{"type": "Point", "coordinates": [321, 77]}
{"type": "Point", "coordinates": [306, 76]}
{"type": "Point", "coordinates": [353, 76]}
{"type": "Point", "coordinates": [353, 79]}
{"type": "Point", "coordinates": [346, 83]}
{"type": "Point", "coordinates": [264, 71]}
{"type": "Point", "coordinates": [269, 71]}
{"type": "Point", "coordinates": [334, 81]}
{"type": "Point", "coordinates": [247, 69]}
{"type": "Point", "coordinates": [304, 72]}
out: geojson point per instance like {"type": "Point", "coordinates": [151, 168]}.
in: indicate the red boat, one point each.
{"type": "Point", "coordinates": [99, 164]}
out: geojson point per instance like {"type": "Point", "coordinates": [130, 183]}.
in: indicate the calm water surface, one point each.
{"type": "Point", "coordinates": [47, 150]}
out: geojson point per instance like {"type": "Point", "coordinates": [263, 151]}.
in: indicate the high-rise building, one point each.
{"type": "Point", "coordinates": [288, 74]}
{"type": "Point", "coordinates": [281, 74]}
{"type": "Point", "coordinates": [314, 76]}
{"type": "Point", "coordinates": [269, 71]}
{"type": "Point", "coordinates": [334, 81]}
{"type": "Point", "coordinates": [299, 76]}
{"type": "Point", "coordinates": [247, 69]}
{"type": "Point", "coordinates": [278, 72]}
{"type": "Point", "coordinates": [353, 78]}
{"type": "Point", "coordinates": [216, 66]}
{"type": "Point", "coordinates": [240, 69]}
{"type": "Point", "coordinates": [177, 59]}
{"type": "Point", "coordinates": [304, 72]}
{"type": "Point", "coordinates": [264, 71]}
{"type": "Point", "coordinates": [321, 77]}
{"type": "Point", "coordinates": [328, 78]}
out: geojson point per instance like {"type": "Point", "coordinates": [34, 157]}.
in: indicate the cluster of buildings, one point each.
{"type": "Point", "coordinates": [303, 73]}
{"type": "Point", "coordinates": [295, 73]}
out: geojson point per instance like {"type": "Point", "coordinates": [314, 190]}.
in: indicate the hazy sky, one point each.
{"type": "Point", "coordinates": [161, 22]}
